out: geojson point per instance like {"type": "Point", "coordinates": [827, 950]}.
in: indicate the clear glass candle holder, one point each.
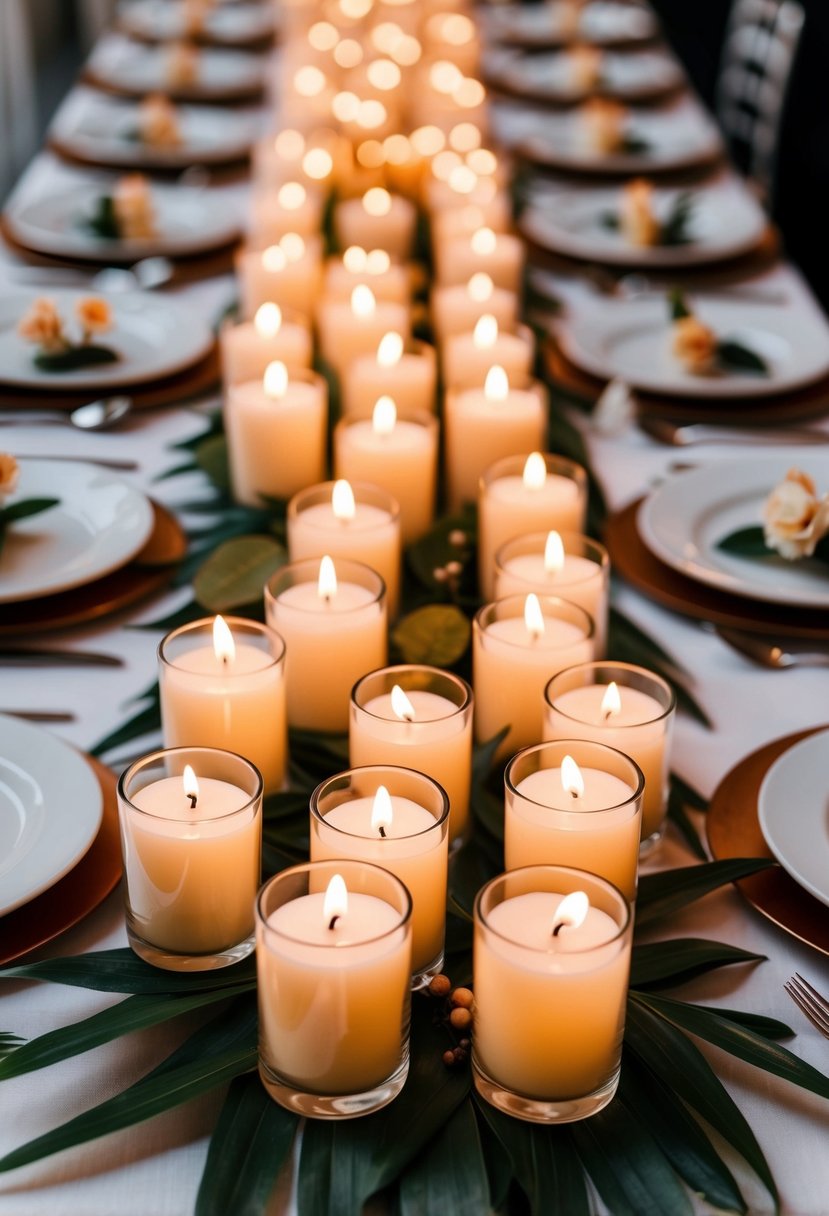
{"type": "Point", "coordinates": [590, 819]}
{"type": "Point", "coordinates": [226, 694]}
{"type": "Point", "coordinates": [579, 705]}
{"type": "Point", "coordinates": [429, 730]}
{"type": "Point", "coordinates": [192, 857]}
{"type": "Point", "coordinates": [549, 1012]}
{"type": "Point", "coordinates": [406, 834]}
{"type": "Point", "coordinates": [334, 989]}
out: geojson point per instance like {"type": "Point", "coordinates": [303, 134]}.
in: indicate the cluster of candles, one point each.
{"type": "Point", "coordinates": [378, 110]}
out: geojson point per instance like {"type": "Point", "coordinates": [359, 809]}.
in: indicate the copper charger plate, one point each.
{"type": "Point", "coordinates": [632, 559]}
{"type": "Point", "coordinates": [150, 569]}
{"type": "Point", "coordinates": [734, 831]}
{"type": "Point", "coordinates": [76, 894]}
{"type": "Point", "coordinates": [242, 95]}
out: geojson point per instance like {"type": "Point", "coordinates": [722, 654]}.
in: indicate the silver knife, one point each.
{"type": "Point", "coordinates": [29, 657]}
{"type": "Point", "coordinates": [40, 715]}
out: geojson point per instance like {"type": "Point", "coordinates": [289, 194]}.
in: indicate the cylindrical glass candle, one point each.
{"type": "Point", "coordinates": [558, 563]}
{"type": "Point", "coordinates": [192, 844]}
{"type": "Point", "coordinates": [551, 983]}
{"type": "Point", "coordinates": [428, 728]}
{"type": "Point", "coordinates": [398, 819]}
{"type": "Point", "coordinates": [584, 812]}
{"type": "Point", "coordinates": [222, 684]}
{"type": "Point", "coordinates": [456, 310]}
{"type": "Point", "coordinates": [247, 347]}
{"type": "Point", "coordinates": [517, 643]}
{"type": "Point", "coordinates": [270, 275]}
{"type": "Point", "coordinates": [501, 255]}
{"type": "Point", "coordinates": [333, 984]}
{"type": "Point", "coordinates": [335, 633]}
{"type": "Point", "coordinates": [466, 358]}
{"type": "Point", "coordinates": [359, 522]}
{"type": "Point", "coordinates": [522, 494]}
{"type": "Point", "coordinates": [353, 327]}
{"type": "Point", "coordinates": [404, 371]}
{"type": "Point", "coordinates": [636, 717]}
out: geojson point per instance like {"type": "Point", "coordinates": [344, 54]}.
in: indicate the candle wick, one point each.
{"type": "Point", "coordinates": [608, 713]}
{"type": "Point", "coordinates": [333, 921]}
{"type": "Point", "coordinates": [408, 717]}
{"type": "Point", "coordinates": [224, 660]}
{"type": "Point", "coordinates": [557, 928]}
{"type": "Point", "coordinates": [382, 831]}
{"type": "Point", "coordinates": [574, 794]}
{"type": "Point", "coordinates": [193, 798]}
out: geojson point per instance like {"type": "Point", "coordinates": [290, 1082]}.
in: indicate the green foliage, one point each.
{"type": "Point", "coordinates": [733, 356]}
{"type": "Point", "coordinates": [70, 358]}
{"type": "Point", "coordinates": [235, 573]}
{"type": "Point", "coordinates": [437, 634]}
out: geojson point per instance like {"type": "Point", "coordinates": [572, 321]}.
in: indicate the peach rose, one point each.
{"type": "Point", "coordinates": [42, 324]}
{"type": "Point", "coordinates": [133, 205]}
{"type": "Point", "coordinates": [638, 223]}
{"type": "Point", "coordinates": [603, 124]}
{"type": "Point", "coordinates": [584, 67]}
{"type": "Point", "coordinates": [94, 315]}
{"type": "Point", "coordinates": [9, 474]}
{"type": "Point", "coordinates": [694, 344]}
{"type": "Point", "coordinates": [158, 122]}
{"type": "Point", "coordinates": [182, 65]}
{"type": "Point", "coordinates": [794, 518]}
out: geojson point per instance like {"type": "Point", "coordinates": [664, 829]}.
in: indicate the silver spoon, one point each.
{"type": "Point", "coordinates": [698, 433]}
{"type": "Point", "coordinates": [775, 655]}
{"type": "Point", "coordinates": [144, 275]}
{"type": "Point", "coordinates": [92, 416]}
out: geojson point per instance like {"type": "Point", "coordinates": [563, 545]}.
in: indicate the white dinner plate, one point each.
{"type": "Point", "coordinates": [683, 520]}
{"type": "Point", "coordinates": [725, 221]}
{"type": "Point", "coordinates": [164, 20]}
{"type": "Point", "coordinates": [631, 339]}
{"type": "Point", "coordinates": [98, 524]}
{"type": "Point", "coordinates": [628, 76]}
{"type": "Point", "coordinates": [153, 337]}
{"type": "Point", "coordinates": [187, 221]}
{"type": "Point", "coordinates": [102, 130]}
{"type": "Point", "coordinates": [50, 811]}
{"type": "Point", "coordinates": [548, 23]}
{"type": "Point", "coordinates": [134, 70]}
{"type": "Point", "coordinates": [793, 808]}
{"type": "Point", "coordinates": [678, 136]}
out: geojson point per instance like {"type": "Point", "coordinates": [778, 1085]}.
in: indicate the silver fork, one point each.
{"type": "Point", "coordinates": [815, 1006]}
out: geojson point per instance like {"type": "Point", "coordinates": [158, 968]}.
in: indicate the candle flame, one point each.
{"type": "Point", "coordinates": [292, 245]}
{"type": "Point", "coordinates": [535, 472]}
{"type": "Point", "coordinates": [390, 350]}
{"type": "Point", "coordinates": [611, 701]}
{"type": "Point", "coordinates": [496, 385]}
{"type": "Point", "coordinates": [533, 616]}
{"type": "Point", "coordinates": [377, 201]}
{"type": "Point", "coordinates": [268, 320]}
{"type": "Point", "coordinates": [289, 144]}
{"type": "Point", "coordinates": [275, 380]}
{"type": "Point", "coordinates": [274, 258]}
{"type": "Point", "coordinates": [381, 812]}
{"type": "Point", "coordinates": [384, 416]}
{"type": "Point", "coordinates": [291, 196]}
{"type": "Point", "coordinates": [224, 647]}
{"type": "Point", "coordinates": [327, 582]}
{"type": "Point", "coordinates": [480, 287]}
{"type": "Point", "coordinates": [335, 903]}
{"type": "Point", "coordinates": [485, 334]}
{"type": "Point", "coordinates": [484, 241]}
{"type": "Point", "coordinates": [354, 259]}
{"type": "Point", "coordinates": [571, 778]}
{"type": "Point", "coordinates": [191, 785]}
{"type": "Point", "coordinates": [377, 261]}
{"type": "Point", "coordinates": [553, 553]}
{"type": "Point", "coordinates": [317, 163]}
{"type": "Point", "coordinates": [571, 912]}
{"type": "Point", "coordinates": [363, 302]}
{"type": "Point", "coordinates": [401, 705]}
{"type": "Point", "coordinates": [342, 501]}
{"type": "Point", "coordinates": [462, 179]}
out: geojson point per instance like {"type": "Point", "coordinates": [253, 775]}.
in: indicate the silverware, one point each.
{"type": "Point", "coordinates": [30, 657]}
{"type": "Point", "coordinates": [92, 416]}
{"type": "Point", "coordinates": [635, 286]}
{"type": "Point", "coordinates": [774, 654]}
{"type": "Point", "coordinates": [40, 715]}
{"type": "Point", "coordinates": [807, 998]}
{"type": "Point", "coordinates": [144, 275]}
{"type": "Point", "coordinates": [698, 433]}
{"type": "Point", "coordinates": [124, 466]}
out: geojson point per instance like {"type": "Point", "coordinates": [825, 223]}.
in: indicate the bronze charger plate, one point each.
{"type": "Point", "coordinates": [734, 831]}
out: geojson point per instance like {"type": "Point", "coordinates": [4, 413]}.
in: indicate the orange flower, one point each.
{"type": "Point", "coordinates": [9, 473]}
{"type": "Point", "coordinates": [638, 222]}
{"type": "Point", "coordinates": [94, 314]}
{"type": "Point", "coordinates": [42, 324]}
{"type": "Point", "coordinates": [158, 122]}
{"type": "Point", "coordinates": [694, 344]}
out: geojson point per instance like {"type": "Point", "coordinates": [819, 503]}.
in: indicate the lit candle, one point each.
{"type": "Point", "coordinates": [456, 309]}
{"type": "Point", "coordinates": [276, 433]}
{"type": "Point", "coordinates": [398, 454]}
{"type": "Point", "coordinates": [291, 207]}
{"type": "Point", "coordinates": [378, 220]}
{"type": "Point", "coordinates": [551, 966]}
{"type": "Point", "coordinates": [575, 804]}
{"type": "Point", "coordinates": [485, 424]}
{"type": "Point", "coordinates": [372, 268]}
{"type": "Point", "coordinates": [334, 623]}
{"type": "Point", "coordinates": [396, 819]}
{"type": "Point", "coordinates": [249, 346]}
{"type": "Point", "coordinates": [625, 707]}
{"type": "Point", "coordinates": [492, 209]}
{"type": "Point", "coordinates": [333, 959]}
{"type": "Point", "coordinates": [222, 685]}
{"type": "Point", "coordinates": [499, 254]}
{"type": "Point", "coordinates": [288, 274]}
{"type": "Point", "coordinates": [407, 372]}
{"type": "Point", "coordinates": [568, 564]}
{"type": "Point", "coordinates": [417, 717]}
{"type": "Point", "coordinates": [361, 523]}
{"type": "Point", "coordinates": [522, 494]}
{"type": "Point", "coordinates": [191, 828]}
{"type": "Point", "coordinates": [467, 358]}
{"type": "Point", "coordinates": [517, 644]}
{"type": "Point", "coordinates": [354, 327]}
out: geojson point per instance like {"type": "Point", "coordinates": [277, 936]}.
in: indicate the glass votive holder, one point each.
{"type": "Point", "coordinates": [192, 844]}
{"type": "Point", "coordinates": [551, 983]}
{"type": "Point", "coordinates": [636, 717]}
{"type": "Point", "coordinates": [517, 644]}
{"type": "Point", "coordinates": [333, 636]}
{"type": "Point", "coordinates": [429, 729]}
{"type": "Point", "coordinates": [569, 564]}
{"type": "Point", "coordinates": [584, 812]}
{"type": "Point", "coordinates": [402, 827]}
{"type": "Point", "coordinates": [333, 983]}
{"type": "Point", "coordinates": [222, 684]}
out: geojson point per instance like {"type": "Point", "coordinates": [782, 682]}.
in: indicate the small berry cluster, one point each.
{"type": "Point", "coordinates": [456, 1015]}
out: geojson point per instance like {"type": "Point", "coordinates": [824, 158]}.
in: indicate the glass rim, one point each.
{"type": "Point", "coordinates": [380, 591]}
{"type": "Point", "coordinates": [637, 793]}
{"type": "Point", "coordinates": [206, 624]}
{"type": "Point", "coordinates": [441, 819]}
{"type": "Point", "coordinates": [558, 465]}
{"type": "Point", "coordinates": [627, 909]}
{"type": "Point", "coordinates": [372, 496]}
{"type": "Point", "coordinates": [586, 542]}
{"type": "Point", "coordinates": [417, 417]}
{"type": "Point", "coordinates": [450, 676]}
{"type": "Point", "coordinates": [291, 871]}
{"type": "Point", "coordinates": [296, 375]}
{"type": "Point", "coordinates": [543, 599]}
{"type": "Point", "coordinates": [620, 666]}
{"type": "Point", "coordinates": [160, 753]}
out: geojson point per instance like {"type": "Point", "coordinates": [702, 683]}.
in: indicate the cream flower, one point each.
{"type": "Point", "coordinates": [694, 344]}
{"type": "Point", "coordinates": [195, 15]}
{"type": "Point", "coordinates": [158, 122]}
{"type": "Point", "coordinates": [603, 125]}
{"type": "Point", "coordinates": [42, 324]}
{"type": "Point", "coordinates": [133, 205]}
{"type": "Point", "coordinates": [584, 66]}
{"type": "Point", "coordinates": [794, 518]}
{"type": "Point", "coordinates": [637, 221]}
{"type": "Point", "coordinates": [9, 474]}
{"type": "Point", "coordinates": [182, 65]}
{"type": "Point", "coordinates": [94, 314]}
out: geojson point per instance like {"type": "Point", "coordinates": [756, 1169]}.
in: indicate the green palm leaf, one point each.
{"type": "Point", "coordinates": [544, 1163]}
{"type": "Point", "coordinates": [668, 891]}
{"type": "Point", "coordinates": [673, 962]}
{"type": "Point", "coordinates": [450, 1174]}
{"type": "Point", "coordinates": [122, 971]}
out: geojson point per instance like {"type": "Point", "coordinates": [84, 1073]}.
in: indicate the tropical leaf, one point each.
{"type": "Point", "coordinates": [8, 1043]}
{"type": "Point", "coordinates": [211, 458]}
{"type": "Point", "coordinates": [734, 356]}
{"type": "Point", "coordinates": [235, 573]}
{"type": "Point", "coordinates": [668, 891]}
{"type": "Point", "coordinates": [681, 795]}
{"type": "Point", "coordinates": [543, 1161]}
{"type": "Point", "coordinates": [629, 644]}
{"type": "Point", "coordinates": [25, 509]}
{"type": "Point", "coordinates": [123, 971]}
{"type": "Point", "coordinates": [450, 1174]}
{"type": "Point", "coordinates": [673, 962]}
{"type": "Point", "coordinates": [437, 634]}
{"type": "Point", "coordinates": [746, 542]}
